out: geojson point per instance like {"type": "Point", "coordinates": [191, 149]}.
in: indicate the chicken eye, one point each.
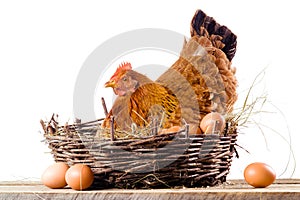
{"type": "Point", "coordinates": [124, 79]}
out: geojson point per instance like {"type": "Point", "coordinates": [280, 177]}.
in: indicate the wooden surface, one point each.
{"type": "Point", "coordinates": [235, 189]}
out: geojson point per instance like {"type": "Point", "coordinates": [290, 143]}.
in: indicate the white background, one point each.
{"type": "Point", "coordinates": [43, 45]}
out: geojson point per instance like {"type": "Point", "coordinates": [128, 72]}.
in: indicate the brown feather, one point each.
{"type": "Point", "coordinates": [150, 100]}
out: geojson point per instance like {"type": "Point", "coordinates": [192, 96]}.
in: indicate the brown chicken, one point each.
{"type": "Point", "coordinates": [199, 82]}
{"type": "Point", "coordinates": [140, 101]}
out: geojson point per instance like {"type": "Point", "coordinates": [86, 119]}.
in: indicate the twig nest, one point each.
{"type": "Point", "coordinates": [213, 122]}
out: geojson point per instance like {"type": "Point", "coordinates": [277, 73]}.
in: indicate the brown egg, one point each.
{"type": "Point", "coordinates": [194, 129]}
{"type": "Point", "coordinates": [172, 129]}
{"type": "Point", "coordinates": [259, 175]}
{"type": "Point", "coordinates": [212, 123]}
{"type": "Point", "coordinates": [54, 175]}
{"type": "Point", "coordinates": [79, 177]}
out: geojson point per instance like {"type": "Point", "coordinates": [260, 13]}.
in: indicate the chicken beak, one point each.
{"type": "Point", "coordinates": [110, 83]}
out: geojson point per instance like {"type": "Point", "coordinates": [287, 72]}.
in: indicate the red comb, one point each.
{"type": "Point", "coordinates": [122, 67]}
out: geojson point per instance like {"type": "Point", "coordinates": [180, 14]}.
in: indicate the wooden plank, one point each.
{"type": "Point", "coordinates": [234, 189]}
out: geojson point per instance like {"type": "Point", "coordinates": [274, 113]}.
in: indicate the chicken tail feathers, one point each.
{"type": "Point", "coordinates": [201, 21]}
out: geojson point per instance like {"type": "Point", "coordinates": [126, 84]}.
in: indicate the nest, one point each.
{"type": "Point", "coordinates": [151, 160]}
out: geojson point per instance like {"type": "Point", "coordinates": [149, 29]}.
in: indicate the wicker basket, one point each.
{"type": "Point", "coordinates": [158, 161]}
